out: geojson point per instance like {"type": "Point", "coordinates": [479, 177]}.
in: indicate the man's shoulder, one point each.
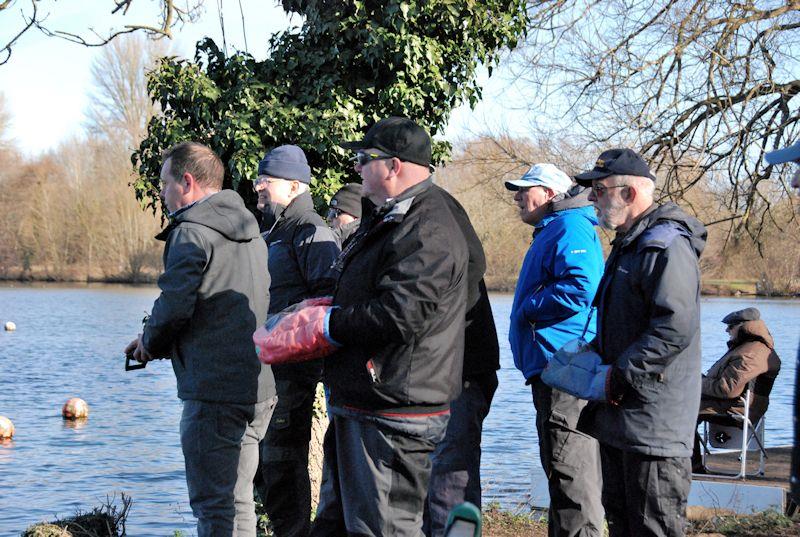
{"type": "Point", "coordinates": [661, 235]}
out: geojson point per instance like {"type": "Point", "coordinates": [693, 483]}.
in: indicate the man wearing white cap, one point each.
{"type": "Point", "coordinates": [552, 305]}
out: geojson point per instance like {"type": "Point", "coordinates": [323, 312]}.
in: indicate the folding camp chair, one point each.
{"type": "Point", "coordinates": [735, 432]}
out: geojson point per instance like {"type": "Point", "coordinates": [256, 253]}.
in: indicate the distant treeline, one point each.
{"type": "Point", "coordinates": [70, 215]}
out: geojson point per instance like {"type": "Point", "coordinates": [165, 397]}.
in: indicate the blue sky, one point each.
{"type": "Point", "coordinates": [47, 81]}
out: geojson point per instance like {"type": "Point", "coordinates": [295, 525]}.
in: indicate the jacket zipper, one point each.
{"type": "Point", "coordinates": [371, 369]}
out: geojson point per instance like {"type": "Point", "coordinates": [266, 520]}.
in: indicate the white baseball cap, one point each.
{"type": "Point", "coordinates": [543, 174]}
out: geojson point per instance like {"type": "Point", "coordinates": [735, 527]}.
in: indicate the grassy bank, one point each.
{"type": "Point", "coordinates": [109, 521]}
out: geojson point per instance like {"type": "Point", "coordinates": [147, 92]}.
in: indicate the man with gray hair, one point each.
{"type": "Point", "coordinates": [648, 336]}
{"type": "Point", "coordinates": [552, 304]}
{"type": "Point", "coordinates": [301, 251]}
{"type": "Point", "coordinates": [214, 293]}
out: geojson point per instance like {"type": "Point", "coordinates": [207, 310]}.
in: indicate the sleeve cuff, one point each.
{"type": "Point", "coordinates": [327, 327]}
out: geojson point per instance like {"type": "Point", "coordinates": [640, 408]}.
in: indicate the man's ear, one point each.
{"type": "Point", "coordinates": [629, 194]}
{"type": "Point", "coordinates": [188, 182]}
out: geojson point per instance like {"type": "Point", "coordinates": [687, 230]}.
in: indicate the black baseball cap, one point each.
{"type": "Point", "coordinates": [399, 137]}
{"type": "Point", "coordinates": [620, 161]}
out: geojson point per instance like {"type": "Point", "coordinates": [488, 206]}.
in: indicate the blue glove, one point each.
{"type": "Point", "coordinates": [578, 371]}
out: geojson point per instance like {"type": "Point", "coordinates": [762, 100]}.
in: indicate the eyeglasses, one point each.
{"type": "Point", "coordinates": [600, 190]}
{"type": "Point", "coordinates": [362, 159]}
{"type": "Point", "coordinates": [333, 212]}
{"type": "Point", "coordinates": [263, 182]}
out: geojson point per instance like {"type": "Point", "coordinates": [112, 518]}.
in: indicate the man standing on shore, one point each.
{"type": "Point", "coordinates": [214, 293]}
{"type": "Point", "coordinates": [648, 332]}
{"type": "Point", "coordinates": [301, 251]}
{"type": "Point", "coordinates": [552, 304]}
{"type": "Point", "coordinates": [792, 154]}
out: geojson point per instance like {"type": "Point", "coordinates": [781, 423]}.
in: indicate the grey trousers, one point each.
{"type": "Point", "coordinates": [571, 462]}
{"type": "Point", "coordinates": [220, 451]}
{"type": "Point", "coordinates": [376, 474]}
{"type": "Point", "coordinates": [645, 495]}
{"type": "Point", "coordinates": [456, 471]}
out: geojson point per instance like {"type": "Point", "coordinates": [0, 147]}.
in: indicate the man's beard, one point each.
{"type": "Point", "coordinates": [611, 217]}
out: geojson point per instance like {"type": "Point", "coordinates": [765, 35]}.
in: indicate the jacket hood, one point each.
{"type": "Point", "coordinates": [575, 199]}
{"type": "Point", "coordinates": [577, 196]}
{"type": "Point", "coordinates": [670, 212]}
{"type": "Point", "coordinates": [223, 212]}
{"type": "Point", "coordinates": [753, 331]}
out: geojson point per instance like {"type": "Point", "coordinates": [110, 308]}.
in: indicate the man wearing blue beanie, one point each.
{"type": "Point", "coordinates": [301, 251]}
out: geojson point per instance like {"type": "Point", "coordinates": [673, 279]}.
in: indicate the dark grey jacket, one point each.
{"type": "Point", "coordinates": [301, 251]}
{"type": "Point", "coordinates": [648, 326]}
{"type": "Point", "coordinates": [214, 293]}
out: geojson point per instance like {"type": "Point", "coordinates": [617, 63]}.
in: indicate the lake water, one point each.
{"type": "Point", "coordinates": [68, 343]}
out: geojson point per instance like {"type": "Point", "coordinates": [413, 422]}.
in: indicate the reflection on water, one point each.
{"type": "Point", "coordinates": [68, 344]}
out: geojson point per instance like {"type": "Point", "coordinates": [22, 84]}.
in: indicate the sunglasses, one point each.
{"type": "Point", "coordinates": [362, 159]}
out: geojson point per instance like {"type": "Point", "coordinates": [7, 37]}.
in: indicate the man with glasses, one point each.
{"type": "Point", "coordinates": [302, 250]}
{"type": "Point", "coordinates": [344, 214]}
{"type": "Point", "coordinates": [648, 332]}
{"type": "Point", "coordinates": [781, 156]}
{"type": "Point", "coordinates": [552, 304]}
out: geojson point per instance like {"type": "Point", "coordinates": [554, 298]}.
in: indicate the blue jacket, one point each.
{"type": "Point", "coordinates": [556, 285]}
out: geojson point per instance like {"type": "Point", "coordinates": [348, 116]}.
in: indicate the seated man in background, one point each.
{"type": "Point", "coordinates": [751, 356]}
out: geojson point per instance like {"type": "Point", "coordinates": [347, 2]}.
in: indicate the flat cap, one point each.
{"type": "Point", "coordinates": [747, 314]}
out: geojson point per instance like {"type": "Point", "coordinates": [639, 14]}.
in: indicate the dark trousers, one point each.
{"type": "Point", "coordinates": [456, 462]}
{"type": "Point", "coordinates": [220, 450]}
{"type": "Point", "coordinates": [571, 462]}
{"type": "Point", "coordinates": [283, 483]}
{"type": "Point", "coordinates": [644, 495]}
{"type": "Point", "coordinates": [376, 474]}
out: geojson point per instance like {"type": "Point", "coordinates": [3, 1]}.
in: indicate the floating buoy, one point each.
{"type": "Point", "coordinates": [10, 326]}
{"type": "Point", "coordinates": [75, 409]}
{"type": "Point", "coordinates": [6, 428]}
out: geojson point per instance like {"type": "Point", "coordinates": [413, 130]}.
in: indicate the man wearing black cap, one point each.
{"type": "Point", "coordinates": [751, 356]}
{"type": "Point", "coordinates": [398, 320]}
{"type": "Point", "coordinates": [301, 251]}
{"type": "Point", "coordinates": [344, 214]}
{"type": "Point", "coordinates": [648, 330]}
{"type": "Point", "coordinates": [781, 156]}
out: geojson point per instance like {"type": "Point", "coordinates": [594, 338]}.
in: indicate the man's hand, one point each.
{"type": "Point", "coordinates": [137, 351]}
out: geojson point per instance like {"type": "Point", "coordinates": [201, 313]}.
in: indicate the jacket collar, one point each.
{"type": "Point", "coordinates": [395, 209]}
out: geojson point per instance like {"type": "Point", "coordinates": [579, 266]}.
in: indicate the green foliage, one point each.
{"type": "Point", "coordinates": [352, 63]}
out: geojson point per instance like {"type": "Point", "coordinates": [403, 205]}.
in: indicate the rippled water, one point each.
{"type": "Point", "coordinates": [68, 343]}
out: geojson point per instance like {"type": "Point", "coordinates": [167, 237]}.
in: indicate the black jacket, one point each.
{"type": "Point", "coordinates": [481, 350]}
{"type": "Point", "coordinates": [648, 326]}
{"type": "Point", "coordinates": [401, 300]}
{"type": "Point", "coordinates": [302, 250]}
{"type": "Point", "coordinates": [214, 293]}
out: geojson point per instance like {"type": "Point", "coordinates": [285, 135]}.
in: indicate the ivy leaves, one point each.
{"type": "Point", "coordinates": [349, 65]}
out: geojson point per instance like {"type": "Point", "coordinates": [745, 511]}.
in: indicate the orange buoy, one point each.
{"type": "Point", "coordinates": [6, 428]}
{"type": "Point", "coordinates": [74, 409]}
